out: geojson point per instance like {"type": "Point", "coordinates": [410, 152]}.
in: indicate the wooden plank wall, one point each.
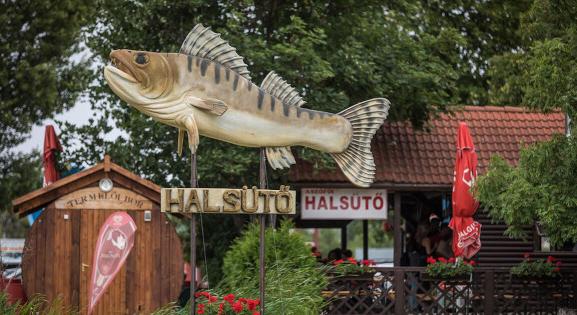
{"type": "Point", "coordinates": [56, 249]}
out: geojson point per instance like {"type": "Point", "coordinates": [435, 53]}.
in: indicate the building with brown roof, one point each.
{"type": "Point", "coordinates": [415, 167]}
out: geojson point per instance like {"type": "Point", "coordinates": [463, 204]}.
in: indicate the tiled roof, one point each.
{"type": "Point", "coordinates": [405, 156]}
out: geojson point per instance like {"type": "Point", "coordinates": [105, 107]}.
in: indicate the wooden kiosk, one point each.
{"type": "Point", "coordinates": [59, 247]}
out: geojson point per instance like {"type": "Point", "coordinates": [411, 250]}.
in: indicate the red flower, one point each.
{"type": "Point", "coordinates": [212, 299]}
{"type": "Point", "coordinates": [472, 263]}
{"type": "Point", "coordinates": [242, 300]}
{"type": "Point", "coordinates": [338, 262]}
{"type": "Point", "coordinates": [550, 259]}
{"type": "Point", "coordinates": [237, 307]}
{"type": "Point", "coordinates": [431, 260]}
{"type": "Point", "coordinates": [256, 313]}
{"type": "Point", "coordinates": [558, 263]}
{"type": "Point", "coordinates": [200, 309]}
{"type": "Point", "coordinates": [526, 255]}
{"type": "Point", "coordinates": [368, 262]}
{"type": "Point", "coordinates": [252, 304]}
{"type": "Point", "coordinates": [452, 259]}
{"type": "Point", "coordinates": [221, 309]}
{"type": "Point", "coordinates": [442, 259]}
{"type": "Point", "coordinates": [229, 298]}
{"type": "Point", "coordinates": [352, 260]}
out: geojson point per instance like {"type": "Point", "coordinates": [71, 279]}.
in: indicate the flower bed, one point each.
{"type": "Point", "coordinates": [209, 304]}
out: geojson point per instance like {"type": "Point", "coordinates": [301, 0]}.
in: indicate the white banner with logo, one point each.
{"type": "Point", "coordinates": [343, 204]}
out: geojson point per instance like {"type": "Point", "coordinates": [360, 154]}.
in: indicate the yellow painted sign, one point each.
{"type": "Point", "coordinates": [228, 201]}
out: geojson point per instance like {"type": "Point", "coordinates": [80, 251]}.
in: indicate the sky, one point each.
{"type": "Point", "coordinates": [78, 115]}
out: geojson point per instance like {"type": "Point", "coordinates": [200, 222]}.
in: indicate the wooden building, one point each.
{"type": "Point", "coordinates": [416, 168]}
{"type": "Point", "coordinates": [59, 247]}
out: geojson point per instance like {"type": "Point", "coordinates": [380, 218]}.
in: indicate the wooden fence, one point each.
{"type": "Point", "coordinates": [407, 290]}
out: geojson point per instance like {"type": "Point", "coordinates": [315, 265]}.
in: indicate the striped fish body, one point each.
{"type": "Point", "coordinates": [254, 118]}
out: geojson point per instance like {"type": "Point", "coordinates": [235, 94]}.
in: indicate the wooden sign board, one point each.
{"type": "Point", "coordinates": [94, 198]}
{"type": "Point", "coordinates": [228, 201]}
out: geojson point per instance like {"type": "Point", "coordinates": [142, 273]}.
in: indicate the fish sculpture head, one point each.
{"type": "Point", "coordinates": [140, 77]}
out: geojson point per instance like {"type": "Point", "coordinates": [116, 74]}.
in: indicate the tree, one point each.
{"type": "Point", "coordinates": [336, 53]}
{"type": "Point", "coordinates": [20, 174]}
{"type": "Point", "coordinates": [541, 188]}
{"type": "Point", "coordinates": [37, 77]}
{"type": "Point", "coordinates": [542, 73]}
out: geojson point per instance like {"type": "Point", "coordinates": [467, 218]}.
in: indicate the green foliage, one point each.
{"type": "Point", "coordinates": [37, 77]}
{"type": "Point", "coordinates": [540, 188]}
{"type": "Point", "coordinates": [542, 72]}
{"type": "Point", "coordinates": [444, 269]}
{"type": "Point", "coordinates": [37, 304]}
{"type": "Point", "coordinates": [536, 268]}
{"type": "Point", "coordinates": [293, 279]}
{"type": "Point", "coordinates": [19, 174]}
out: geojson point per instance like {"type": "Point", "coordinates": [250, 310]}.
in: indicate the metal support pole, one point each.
{"type": "Point", "coordinates": [344, 238]}
{"type": "Point", "coordinates": [262, 219]}
{"type": "Point", "coordinates": [193, 184]}
{"type": "Point", "coordinates": [365, 239]}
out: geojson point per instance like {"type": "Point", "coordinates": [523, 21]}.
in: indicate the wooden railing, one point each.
{"type": "Point", "coordinates": [407, 290]}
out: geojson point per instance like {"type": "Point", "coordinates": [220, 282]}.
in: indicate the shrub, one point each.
{"type": "Point", "coordinates": [293, 279]}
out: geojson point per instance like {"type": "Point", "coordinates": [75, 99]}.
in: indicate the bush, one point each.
{"type": "Point", "coordinates": [36, 305]}
{"type": "Point", "coordinates": [536, 268]}
{"type": "Point", "coordinates": [293, 279]}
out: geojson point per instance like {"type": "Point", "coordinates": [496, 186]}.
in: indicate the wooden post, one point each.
{"type": "Point", "coordinates": [365, 239]}
{"type": "Point", "coordinates": [193, 184]}
{"type": "Point", "coordinates": [399, 286]}
{"type": "Point", "coordinates": [261, 251]}
{"type": "Point", "coordinates": [397, 229]}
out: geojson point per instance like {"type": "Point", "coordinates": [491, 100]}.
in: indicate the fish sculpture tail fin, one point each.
{"type": "Point", "coordinates": [357, 161]}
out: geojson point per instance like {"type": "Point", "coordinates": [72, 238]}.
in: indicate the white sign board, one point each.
{"type": "Point", "coordinates": [343, 204]}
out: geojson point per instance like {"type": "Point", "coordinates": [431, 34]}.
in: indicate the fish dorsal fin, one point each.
{"type": "Point", "coordinates": [204, 43]}
{"type": "Point", "coordinates": [279, 88]}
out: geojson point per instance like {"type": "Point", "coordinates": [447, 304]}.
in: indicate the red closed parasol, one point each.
{"type": "Point", "coordinates": [466, 231]}
{"type": "Point", "coordinates": [51, 145]}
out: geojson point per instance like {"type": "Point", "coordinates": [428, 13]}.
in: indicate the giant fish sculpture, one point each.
{"type": "Point", "coordinates": [206, 90]}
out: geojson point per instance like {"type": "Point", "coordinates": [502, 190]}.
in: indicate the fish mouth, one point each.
{"type": "Point", "coordinates": [120, 68]}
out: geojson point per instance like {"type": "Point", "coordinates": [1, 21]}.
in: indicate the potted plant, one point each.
{"type": "Point", "coordinates": [350, 266]}
{"type": "Point", "coordinates": [536, 268]}
{"type": "Point", "coordinates": [209, 304]}
{"type": "Point", "coordinates": [451, 269]}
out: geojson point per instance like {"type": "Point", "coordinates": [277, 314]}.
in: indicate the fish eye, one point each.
{"type": "Point", "coordinates": [141, 58]}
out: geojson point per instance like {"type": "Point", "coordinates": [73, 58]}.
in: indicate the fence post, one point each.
{"type": "Point", "coordinates": [399, 283]}
{"type": "Point", "coordinates": [489, 296]}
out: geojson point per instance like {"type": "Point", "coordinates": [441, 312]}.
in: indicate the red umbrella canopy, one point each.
{"type": "Point", "coordinates": [51, 145]}
{"type": "Point", "coordinates": [466, 231]}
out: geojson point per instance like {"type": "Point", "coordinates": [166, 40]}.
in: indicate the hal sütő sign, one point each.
{"type": "Point", "coordinates": [228, 201]}
{"type": "Point", "coordinates": [343, 204]}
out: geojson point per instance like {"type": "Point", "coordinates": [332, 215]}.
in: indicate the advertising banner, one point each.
{"type": "Point", "coordinates": [115, 242]}
{"type": "Point", "coordinates": [343, 204]}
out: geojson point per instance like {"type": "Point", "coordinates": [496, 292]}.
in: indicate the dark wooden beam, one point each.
{"type": "Point", "coordinates": [397, 230]}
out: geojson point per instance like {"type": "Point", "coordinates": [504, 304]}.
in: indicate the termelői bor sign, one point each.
{"type": "Point", "coordinates": [228, 201]}
{"type": "Point", "coordinates": [343, 204]}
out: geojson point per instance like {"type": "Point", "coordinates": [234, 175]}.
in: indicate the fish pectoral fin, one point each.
{"type": "Point", "coordinates": [189, 123]}
{"type": "Point", "coordinates": [280, 157]}
{"type": "Point", "coordinates": [211, 105]}
{"type": "Point", "coordinates": [180, 141]}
